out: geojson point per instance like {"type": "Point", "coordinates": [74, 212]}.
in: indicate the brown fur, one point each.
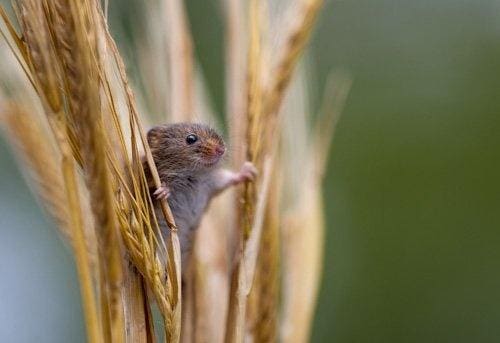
{"type": "Point", "coordinates": [190, 173]}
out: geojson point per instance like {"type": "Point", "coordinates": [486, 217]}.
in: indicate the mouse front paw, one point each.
{"type": "Point", "coordinates": [163, 192]}
{"type": "Point", "coordinates": [248, 172]}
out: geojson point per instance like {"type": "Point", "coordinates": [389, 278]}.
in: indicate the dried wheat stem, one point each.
{"type": "Point", "coordinates": [35, 150]}
{"type": "Point", "coordinates": [254, 110]}
{"type": "Point", "coordinates": [94, 332]}
{"type": "Point", "coordinates": [21, 47]}
{"type": "Point", "coordinates": [265, 292]}
{"type": "Point", "coordinates": [139, 320]}
{"type": "Point", "coordinates": [180, 61]}
{"type": "Point", "coordinates": [297, 38]}
{"type": "Point", "coordinates": [60, 199]}
{"type": "Point", "coordinates": [37, 37]}
{"type": "Point", "coordinates": [140, 237]}
{"type": "Point", "coordinates": [254, 82]}
{"type": "Point", "coordinates": [236, 87]}
{"type": "Point", "coordinates": [76, 42]}
{"type": "Point", "coordinates": [336, 90]}
{"type": "Point", "coordinates": [173, 246]}
{"type": "Point", "coordinates": [44, 166]}
{"type": "Point", "coordinates": [302, 264]}
{"type": "Point", "coordinates": [243, 275]}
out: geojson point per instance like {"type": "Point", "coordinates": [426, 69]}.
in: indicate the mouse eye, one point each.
{"type": "Point", "coordinates": [191, 139]}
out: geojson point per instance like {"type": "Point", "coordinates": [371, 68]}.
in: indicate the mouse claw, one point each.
{"type": "Point", "coordinates": [163, 192]}
{"type": "Point", "coordinates": [248, 172]}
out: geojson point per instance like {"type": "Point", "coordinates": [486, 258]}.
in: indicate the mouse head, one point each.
{"type": "Point", "coordinates": [186, 147]}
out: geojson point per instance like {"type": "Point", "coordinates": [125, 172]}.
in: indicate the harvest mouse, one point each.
{"type": "Point", "coordinates": [188, 157]}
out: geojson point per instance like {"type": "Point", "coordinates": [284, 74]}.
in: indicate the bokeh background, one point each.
{"type": "Point", "coordinates": [412, 193]}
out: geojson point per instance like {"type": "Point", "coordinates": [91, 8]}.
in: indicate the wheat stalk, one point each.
{"type": "Point", "coordinates": [265, 293]}
{"type": "Point", "coordinates": [173, 312]}
{"type": "Point", "coordinates": [77, 50]}
{"type": "Point", "coordinates": [337, 88]}
{"type": "Point", "coordinates": [41, 161]}
{"type": "Point", "coordinates": [81, 77]}
{"type": "Point", "coordinates": [61, 199]}
{"type": "Point", "coordinates": [235, 60]}
{"type": "Point", "coordinates": [262, 134]}
{"type": "Point", "coordinates": [180, 61]}
{"type": "Point", "coordinates": [39, 57]}
{"type": "Point", "coordinates": [296, 37]}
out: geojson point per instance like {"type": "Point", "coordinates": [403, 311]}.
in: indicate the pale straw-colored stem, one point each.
{"type": "Point", "coordinates": [337, 88]}
{"type": "Point", "coordinates": [94, 330]}
{"type": "Point", "coordinates": [139, 320]}
{"type": "Point", "coordinates": [173, 245]}
{"type": "Point", "coordinates": [244, 271]}
{"type": "Point", "coordinates": [306, 12]}
{"type": "Point", "coordinates": [180, 61]}
{"type": "Point", "coordinates": [236, 85]}
{"type": "Point", "coordinates": [59, 196]}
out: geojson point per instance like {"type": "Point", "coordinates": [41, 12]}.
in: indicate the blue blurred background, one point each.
{"type": "Point", "coordinates": [412, 193]}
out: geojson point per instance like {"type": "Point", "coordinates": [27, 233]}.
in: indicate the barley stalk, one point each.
{"type": "Point", "coordinates": [60, 199]}
{"type": "Point", "coordinates": [236, 86]}
{"type": "Point", "coordinates": [76, 43]}
{"type": "Point", "coordinates": [139, 320]}
{"type": "Point", "coordinates": [180, 60]}
{"type": "Point", "coordinates": [337, 88]}
{"type": "Point", "coordinates": [265, 293]}
{"type": "Point", "coordinates": [173, 249]}
{"type": "Point", "coordinates": [244, 272]}
{"type": "Point", "coordinates": [298, 34]}
{"type": "Point", "coordinates": [37, 38]}
{"type": "Point", "coordinates": [39, 56]}
{"type": "Point", "coordinates": [261, 135]}
{"type": "Point", "coordinates": [42, 163]}
{"type": "Point", "coordinates": [94, 332]}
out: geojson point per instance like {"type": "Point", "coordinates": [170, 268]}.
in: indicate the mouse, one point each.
{"type": "Point", "coordinates": [188, 157]}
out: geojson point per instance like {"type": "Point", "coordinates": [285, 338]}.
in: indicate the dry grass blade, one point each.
{"type": "Point", "coordinates": [265, 293]}
{"type": "Point", "coordinates": [254, 110]}
{"type": "Point", "coordinates": [39, 56]}
{"type": "Point", "coordinates": [236, 87]}
{"type": "Point", "coordinates": [251, 251]}
{"type": "Point", "coordinates": [64, 41]}
{"type": "Point", "coordinates": [40, 51]}
{"type": "Point", "coordinates": [244, 272]}
{"type": "Point", "coordinates": [41, 161]}
{"type": "Point", "coordinates": [303, 253]}
{"type": "Point", "coordinates": [254, 87]}
{"type": "Point", "coordinates": [237, 297]}
{"type": "Point", "coordinates": [76, 41]}
{"type": "Point", "coordinates": [263, 133]}
{"type": "Point", "coordinates": [180, 58]}
{"type": "Point", "coordinates": [337, 88]}
{"type": "Point", "coordinates": [173, 319]}
{"type": "Point", "coordinates": [89, 299]}
{"type": "Point", "coordinates": [306, 13]}
{"type": "Point", "coordinates": [303, 224]}
{"type": "Point", "coordinates": [255, 313]}
{"type": "Point", "coordinates": [21, 57]}
{"type": "Point", "coordinates": [60, 199]}
{"type": "Point", "coordinates": [139, 319]}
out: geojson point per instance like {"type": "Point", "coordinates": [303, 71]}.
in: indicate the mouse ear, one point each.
{"type": "Point", "coordinates": [154, 135]}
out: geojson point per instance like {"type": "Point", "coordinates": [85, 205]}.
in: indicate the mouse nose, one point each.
{"type": "Point", "coordinates": [220, 150]}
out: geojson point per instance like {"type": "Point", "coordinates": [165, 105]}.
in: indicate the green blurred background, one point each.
{"type": "Point", "coordinates": [412, 193]}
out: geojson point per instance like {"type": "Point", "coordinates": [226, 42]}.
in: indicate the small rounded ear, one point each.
{"type": "Point", "coordinates": [154, 136]}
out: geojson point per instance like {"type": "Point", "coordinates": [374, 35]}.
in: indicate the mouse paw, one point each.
{"type": "Point", "coordinates": [163, 192]}
{"type": "Point", "coordinates": [248, 172]}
